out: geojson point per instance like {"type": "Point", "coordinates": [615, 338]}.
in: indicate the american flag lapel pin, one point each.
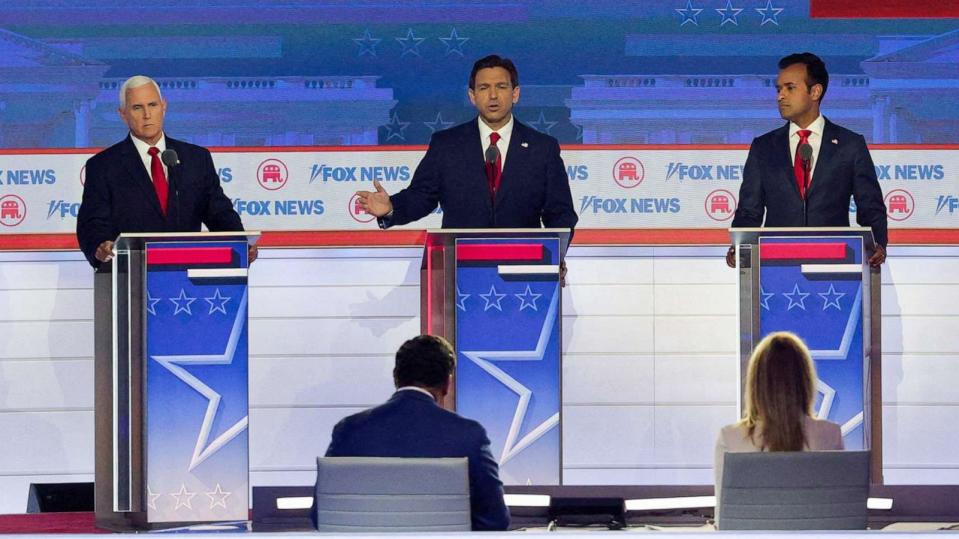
{"type": "Point", "coordinates": [835, 141]}
{"type": "Point", "coordinates": [525, 144]}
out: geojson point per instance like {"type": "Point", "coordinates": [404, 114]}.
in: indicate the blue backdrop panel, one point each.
{"type": "Point", "coordinates": [825, 307]}
{"type": "Point", "coordinates": [508, 366]}
{"type": "Point", "coordinates": [197, 384]}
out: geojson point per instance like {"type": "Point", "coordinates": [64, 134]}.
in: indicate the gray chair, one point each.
{"type": "Point", "coordinates": [801, 490]}
{"type": "Point", "coordinates": [386, 494]}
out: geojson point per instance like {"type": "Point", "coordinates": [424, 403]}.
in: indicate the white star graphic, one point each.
{"type": "Point", "coordinates": [528, 299]}
{"type": "Point", "coordinates": [183, 497]}
{"type": "Point", "coordinates": [411, 43]}
{"type": "Point", "coordinates": [831, 298]}
{"type": "Point", "coordinates": [541, 124]}
{"type": "Point", "coordinates": [729, 13]}
{"type": "Point", "coordinates": [438, 123]}
{"type": "Point", "coordinates": [152, 503]}
{"type": "Point", "coordinates": [202, 451]}
{"type": "Point", "coordinates": [218, 497]}
{"type": "Point", "coordinates": [796, 302]}
{"type": "Point", "coordinates": [769, 13]}
{"type": "Point", "coordinates": [461, 298]}
{"type": "Point", "coordinates": [454, 43]}
{"type": "Point", "coordinates": [217, 302]}
{"type": "Point", "coordinates": [689, 13]}
{"type": "Point", "coordinates": [395, 128]}
{"type": "Point", "coordinates": [151, 308]}
{"type": "Point", "coordinates": [181, 307]}
{"type": "Point", "coordinates": [492, 303]}
{"type": "Point", "coordinates": [766, 295]}
{"type": "Point", "coordinates": [484, 360]}
{"type": "Point", "coordinates": [367, 43]}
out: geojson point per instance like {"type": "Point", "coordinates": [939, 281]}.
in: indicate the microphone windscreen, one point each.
{"type": "Point", "coordinates": [492, 154]}
{"type": "Point", "coordinates": [805, 152]}
{"type": "Point", "coordinates": [170, 158]}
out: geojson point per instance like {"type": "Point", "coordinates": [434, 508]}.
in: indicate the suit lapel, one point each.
{"type": "Point", "coordinates": [824, 161]}
{"type": "Point", "coordinates": [475, 161]}
{"type": "Point", "coordinates": [783, 158]}
{"type": "Point", "coordinates": [516, 157]}
{"type": "Point", "coordinates": [134, 165]}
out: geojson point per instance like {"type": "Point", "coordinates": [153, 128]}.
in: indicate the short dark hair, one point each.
{"type": "Point", "coordinates": [494, 60]}
{"type": "Point", "coordinates": [424, 361]}
{"type": "Point", "coordinates": [815, 69]}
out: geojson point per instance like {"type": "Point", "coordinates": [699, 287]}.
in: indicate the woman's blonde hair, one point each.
{"type": "Point", "coordinates": [780, 392]}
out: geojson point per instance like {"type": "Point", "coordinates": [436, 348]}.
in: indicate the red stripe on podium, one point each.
{"type": "Point", "coordinates": [497, 252]}
{"type": "Point", "coordinates": [190, 255]}
{"type": "Point", "coordinates": [806, 251]}
{"type": "Point", "coordinates": [883, 9]}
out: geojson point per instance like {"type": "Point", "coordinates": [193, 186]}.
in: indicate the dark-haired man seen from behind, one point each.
{"type": "Point", "coordinates": [787, 190]}
{"type": "Point", "coordinates": [413, 424]}
{"type": "Point", "coordinates": [139, 185]}
{"type": "Point", "coordinates": [491, 172]}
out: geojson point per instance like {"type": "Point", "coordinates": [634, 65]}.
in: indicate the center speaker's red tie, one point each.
{"type": "Point", "coordinates": [494, 171]}
{"type": "Point", "coordinates": [159, 178]}
{"type": "Point", "coordinates": [798, 167]}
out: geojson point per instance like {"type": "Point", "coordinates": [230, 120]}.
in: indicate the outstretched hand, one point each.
{"type": "Point", "coordinates": [377, 202]}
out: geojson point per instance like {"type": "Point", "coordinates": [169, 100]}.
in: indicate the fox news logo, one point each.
{"type": "Point", "coordinates": [28, 177]}
{"type": "Point", "coordinates": [598, 205]}
{"type": "Point", "coordinates": [327, 173]}
{"type": "Point", "coordinates": [947, 203]}
{"type": "Point", "coordinates": [682, 171]}
{"type": "Point", "coordinates": [910, 172]}
{"type": "Point", "coordinates": [262, 208]}
{"type": "Point", "coordinates": [62, 208]}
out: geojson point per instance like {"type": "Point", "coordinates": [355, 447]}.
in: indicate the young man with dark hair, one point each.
{"type": "Point", "coordinates": [805, 172]}
{"type": "Point", "coordinates": [412, 424]}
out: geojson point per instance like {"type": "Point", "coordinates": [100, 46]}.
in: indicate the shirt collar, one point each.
{"type": "Point", "coordinates": [414, 388]}
{"type": "Point", "coordinates": [816, 127]}
{"type": "Point", "coordinates": [504, 132]}
{"type": "Point", "coordinates": [143, 147]}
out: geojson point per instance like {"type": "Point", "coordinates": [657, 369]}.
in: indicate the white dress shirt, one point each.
{"type": "Point", "coordinates": [143, 148]}
{"type": "Point", "coordinates": [504, 132]}
{"type": "Point", "coordinates": [815, 140]}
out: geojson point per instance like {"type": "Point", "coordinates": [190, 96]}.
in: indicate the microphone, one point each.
{"type": "Point", "coordinates": [805, 153]}
{"type": "Point", "coordinates": [170, 158]}
{"type": "Point", "coordinates": [492, 154]}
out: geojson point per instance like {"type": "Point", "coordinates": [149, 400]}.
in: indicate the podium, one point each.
{"type": "Point", "coordinates": [171, 401]}
{"type": "Point", "coordinates": [495, 295]}
{"type": "Point", "coordinates": [817, 283]}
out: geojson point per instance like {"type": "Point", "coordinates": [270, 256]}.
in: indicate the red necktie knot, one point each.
{"type": "Point", "coordinates": [804, 135]}
{"type": "Point", "coordinates": [494, 137]}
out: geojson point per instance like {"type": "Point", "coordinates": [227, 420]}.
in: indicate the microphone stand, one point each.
{"type": "Point", "coordinates": [805, 191]}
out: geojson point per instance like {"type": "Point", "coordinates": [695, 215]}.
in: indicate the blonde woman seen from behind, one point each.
{"type": "Point", "coordinates": [780, 393]}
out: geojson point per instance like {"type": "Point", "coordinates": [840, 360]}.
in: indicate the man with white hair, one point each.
{"type": "Point", "coordinates": [149, 182]}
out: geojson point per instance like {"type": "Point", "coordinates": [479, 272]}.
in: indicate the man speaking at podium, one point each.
{"type": "Point", "coordinates": [491, 172]}
{"type": "Point", "coordinates": [148, 182]}
{"type": "Point", "coordinates": [804, 173]}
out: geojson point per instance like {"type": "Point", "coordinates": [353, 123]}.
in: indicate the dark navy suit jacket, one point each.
{"type": "Point", "coordinates": [843, 169]}
{"type": "Point", "coordinates": [118, 196]}
{"type": "Point", "coordinates": [411, 424]}
{"type": "Point", "coordinates": [534, 189]}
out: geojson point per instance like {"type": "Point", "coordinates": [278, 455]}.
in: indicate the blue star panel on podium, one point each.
{"type": "Point", "coordinates": [814, 288]}
{"type": "Point", "coordinates": [196, 386]}
{"type": "Point", "coordinates": [508, 344]}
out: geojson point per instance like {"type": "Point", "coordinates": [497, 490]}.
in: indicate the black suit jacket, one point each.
{"type": "Point", "coordinates": [119, 196]}
{"type": "Point", "coordinates": [843, 169]}
{"type": "Point", "coordinates": [534, 189]}
{"type": "Point", "coordinates": [412, 425]}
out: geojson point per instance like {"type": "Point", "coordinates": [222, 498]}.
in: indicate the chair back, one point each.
{"type": "Point", "coordinates": [389, 494]}
{"type": "Point", "coordinates": [794, 490]}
